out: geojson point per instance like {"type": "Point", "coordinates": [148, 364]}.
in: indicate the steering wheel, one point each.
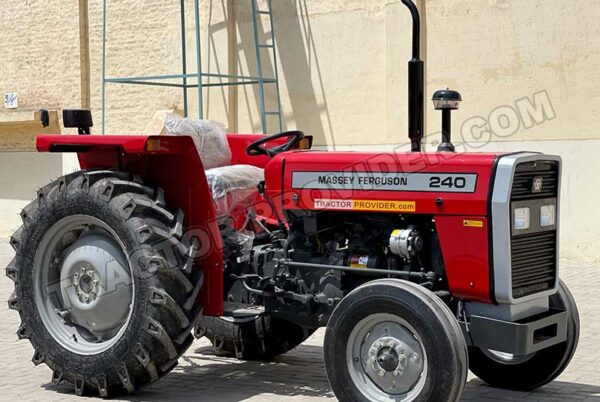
{"type": "Point", "coordinates": [256, 148]}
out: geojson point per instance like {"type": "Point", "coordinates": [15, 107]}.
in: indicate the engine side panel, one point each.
{"type": "Point", "coordinates": [464, 243]}
{"type": "Point", "coordinates": [452, 188]}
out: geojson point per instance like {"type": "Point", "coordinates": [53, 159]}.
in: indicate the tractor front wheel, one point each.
{"type": "Point", "coordinates": [100, 282]}
{"type": "Point", "coordinates": [392, 340]}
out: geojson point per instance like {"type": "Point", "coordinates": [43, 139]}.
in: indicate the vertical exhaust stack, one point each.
{"type": "Point", "coordinates": [416, 82]}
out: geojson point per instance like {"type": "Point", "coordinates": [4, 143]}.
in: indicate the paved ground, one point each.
{"type": "Point", "coordinates": [296, 376]}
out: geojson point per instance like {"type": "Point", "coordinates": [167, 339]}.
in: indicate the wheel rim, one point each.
{"type": "Point", "coordinates": [386, 359]}
{"type": "Point", "coordinates": [83, 284]}
{"type": "Point", "coordinates": [507, 358]}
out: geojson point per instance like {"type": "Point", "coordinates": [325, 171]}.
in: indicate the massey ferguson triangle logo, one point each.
{"type": "Point", "coordinates": [537, 184]}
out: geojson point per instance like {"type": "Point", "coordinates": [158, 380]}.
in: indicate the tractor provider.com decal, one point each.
{"type": "Point", "coordinates": [379, 181]}
{"type": "Point", "coordinates": [366, 205]}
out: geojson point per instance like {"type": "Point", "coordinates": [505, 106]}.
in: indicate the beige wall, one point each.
{"type": "Point", "coordinates": [527, 70]}
{"type": "Point", "coordinates": [342, 63]}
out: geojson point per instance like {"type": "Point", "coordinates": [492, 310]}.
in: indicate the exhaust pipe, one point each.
{"type": "Point", "coordinates": [416, 83]}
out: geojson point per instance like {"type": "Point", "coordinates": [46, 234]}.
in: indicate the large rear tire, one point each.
{"type": "Point", "coordinates": [392, 340]}
{"type": "Point", "coordinates": [259, 337]}
{"type": "Point", "coordinates": [525, 373]}
{"type": "Point", "coordinates": [102, 282]}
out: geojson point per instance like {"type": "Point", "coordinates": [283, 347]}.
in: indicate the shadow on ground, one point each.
{"type": "Point", "coordinates": [203, 376]}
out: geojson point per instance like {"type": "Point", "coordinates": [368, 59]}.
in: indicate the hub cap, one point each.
{"type": "Point", "coordinates": [386, 359]}
{"type": "Point", "coordinates": [83, 285]}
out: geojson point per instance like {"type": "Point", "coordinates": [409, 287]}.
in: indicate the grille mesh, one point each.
{"type": "Point", "coordinates": [525, 173]}
{"type": "Point", "coordinates": [533, 261]}
{"type": "Point", "coordinates": [533, 255]}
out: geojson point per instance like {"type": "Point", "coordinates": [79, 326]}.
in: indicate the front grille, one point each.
{"type": "Point", "coordinates": [533, 261]}
{"type": "Point", "coordinates": [533, 255]}
{"type": "Point", "coordinates": [525, 173]}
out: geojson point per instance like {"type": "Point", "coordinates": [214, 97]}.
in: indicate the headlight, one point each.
{"type": "Point", "coordinates": [547, 215]}
{"type": "Point", "coordinates": [521, 219]}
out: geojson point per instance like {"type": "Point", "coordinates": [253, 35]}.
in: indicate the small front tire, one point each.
{"type": "Point", "coordinates": [392, 340]}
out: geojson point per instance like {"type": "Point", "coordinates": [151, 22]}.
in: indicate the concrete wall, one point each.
{"type": "Point", "coordinates": [527, 71]}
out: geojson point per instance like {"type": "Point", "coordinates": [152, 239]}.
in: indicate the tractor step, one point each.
{"type": "Point", "coordinates": [241, 310]}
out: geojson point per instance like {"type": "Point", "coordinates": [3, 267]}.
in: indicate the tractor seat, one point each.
{"type": "Point", "coordinates": [234, 188]}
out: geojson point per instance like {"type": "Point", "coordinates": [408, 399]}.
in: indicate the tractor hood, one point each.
{"type": "Point", "coordinates": [431, 183]}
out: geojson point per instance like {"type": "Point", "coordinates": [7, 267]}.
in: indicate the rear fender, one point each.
{"type": "Point", "coordinates": [169, 162]}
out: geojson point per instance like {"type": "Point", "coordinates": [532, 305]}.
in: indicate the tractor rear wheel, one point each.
{"type": "Point", "coordinates": [101, 282]}
{"type": "Point", "coordinates": [392, 340]}
{"type": "Point", "coordinates": [528, 372]}
{"type": "Point", "coordinates": [257, 337]}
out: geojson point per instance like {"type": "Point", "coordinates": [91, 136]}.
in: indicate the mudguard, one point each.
{"type": "Point", "coordinates": [169, 162]}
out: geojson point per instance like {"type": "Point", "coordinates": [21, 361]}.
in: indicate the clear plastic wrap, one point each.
{"type": "Point", "coordinates": [234, 186]}
{"type": "Point", "coordinates": [209, 137]}
{"type": "Point", "coordinates": [245, 239]}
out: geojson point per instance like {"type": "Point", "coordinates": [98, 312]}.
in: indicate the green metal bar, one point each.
{"type": "Point", "coordinates": [103, 66]}
{"type": "Point", "coordinates": [199, 60]}
{"type": "Point", "coordinates": [151, 83]}
{"type": "Point", "coordinates": [174, 85]}
{"type": "Point", "coordinates": [184, 60]}
{"type": "Point", "coordinates": [275, 64]}
{"type": "Point", "coordinates": [188, 75]}
{"type": "Point", "coordinates": [259, 67]}
{"type": "Point", "coordinates": [228, 84]}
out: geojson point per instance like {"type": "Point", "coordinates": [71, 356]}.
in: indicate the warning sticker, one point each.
{"type": "Point", "coordinates": [366, 205]}
{"type": "Point", "coordinates": [472, 223]}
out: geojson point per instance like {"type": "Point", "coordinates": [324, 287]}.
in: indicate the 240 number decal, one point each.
{"type": "Point", "coordinates": [447, 182]}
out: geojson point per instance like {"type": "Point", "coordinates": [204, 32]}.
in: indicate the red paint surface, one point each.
{"type": "Point", "coordinates": [465, 253]}
{"type": "Point", "coordinates": [453, 203]}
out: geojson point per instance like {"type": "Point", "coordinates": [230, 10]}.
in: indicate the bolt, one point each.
{"type": "Point", "coordinates": [356, 359]}
{"type": "Point", "coordinates": [415, 357]}
{"type": "Point", "coordinates": [381, 373]}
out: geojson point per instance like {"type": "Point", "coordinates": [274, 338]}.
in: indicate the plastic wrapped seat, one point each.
{"type": "Point", "coordinates": [234, 188]}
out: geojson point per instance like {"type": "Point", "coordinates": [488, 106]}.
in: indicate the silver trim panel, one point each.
{"type": "Point", "coordinates": [501, 219]}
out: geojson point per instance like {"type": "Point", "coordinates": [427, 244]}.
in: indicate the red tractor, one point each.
{"type": "Point", "coordinates": [420, 266]}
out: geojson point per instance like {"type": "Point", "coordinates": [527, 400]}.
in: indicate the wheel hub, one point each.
{"type": "Point", "coordinates": [95, 284]}
{"type": "Point", "coordinates": [86, 283]}
{"type": "Point", "coordinates": [388, 359]}
{"type": "Point", "coordinates": [392, 358]}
